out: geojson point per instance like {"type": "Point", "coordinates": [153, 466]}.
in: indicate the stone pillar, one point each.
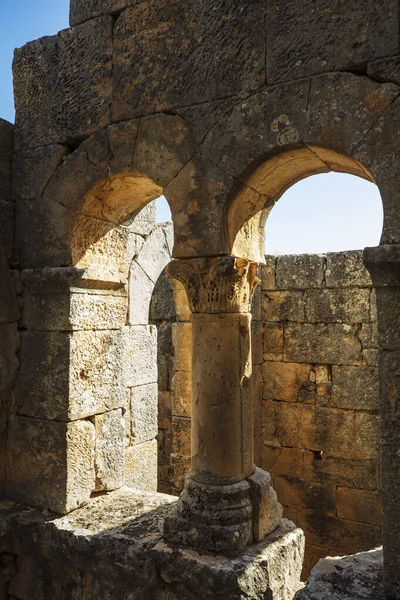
{"type": "Point", "coordinates": [383, 264]}
{"type": "Point", "coordinates": [227, 502]}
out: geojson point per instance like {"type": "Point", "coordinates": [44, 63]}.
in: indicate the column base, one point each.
{"type": "Point", "coordinates": [224, 519]}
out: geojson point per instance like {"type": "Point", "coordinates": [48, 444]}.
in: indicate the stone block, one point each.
{"type": "Point", "coordinates": [122, 140]}
{"type": "Point", "coordinates": [355, 388]}
{"type": "Point", "coordinates": [295, 47]}
{"type": "Point", "coordinates": [154, 254]}
{"type": "Point", "coordinates": [7, 228]}
{"type": "Point", "coordinates": [182, 342]}
{"type": "Point", "coordinates": [33, 169]}
{"type": "Point", "coordinates": [268, 273]}
{"type": "Point", "coordinates": [385, 69]}
{"type": "Point", "coordinates": [267, 512]}
{"type": "Point", "coordinates": [9, 307]}
{"type": "Point", "coordinates": [143, 221]}
{"type": "Point", "coordinates": [282, 461]}
{"type": "Point", "coordinates": [303, 495]}
{"type": "Point", "coordinates": [141, 289]}
{"type": "Point", "coordinates": [346, 269]}
{"type": "Point", "coordinates": [182, 434]}
{"type": "Point", "coordinates": [50, 464]}
{"type": "Point", "coordinates": [41, 233]}
{"type": "Point", "coordinates": [284, 381]}
{"type": "Point", "coordinates": [144, 406]}
{"type": "Point", "coordinates": [67, 376]}
{"type": "Point", "coordinates": [181, 394]}
{"type": "Point", "coordinates": [162, 307]}
{"type": "Point", "coordinates": [256, 343]}
{"type": "Point", "coordinates": [109, 459]}
{"type": "Point", "coordinates": [140, 355]}
{"type": "Point", "coordinates": [389, 318]}
{"type": "Point", "coordinates": [367, 436]}
{"type": "Point", "coordinates": [6, 157]}
{"type": "Point", "coordinates": [273, 338]}
{"type": "Point", "coordinates": [9, 344]}
{"type": "Point", "coordinates": [337, 306]}
{"type": "Point", "coordinates": [359, 505]}
{"type": "Point", "coordinates": [164, 410]}
{"type": "Point", "coordinates": [199, 45]}
{"type": "Point", "coordinates": [368, 335]}
{"type": "Point", "coordinates": [141, 466]}
{"type": "Point", "coordinates": [330, 344]}
{"type": "Point", "coordinates": [299, 272]}
{"type": "Point", "coordinates": [343, 471]}
{"type": "Point", "coordinates": [83, 10]}
{"type": "Point", "coordinates": [63, 85]}
{"type": "Point", "coordinates": [283, 306]}
{"type": "Point", "coordinates": [344, 535]}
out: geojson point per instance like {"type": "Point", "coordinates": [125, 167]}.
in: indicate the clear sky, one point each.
{"type": "Point", "coordinates": [319, 214]}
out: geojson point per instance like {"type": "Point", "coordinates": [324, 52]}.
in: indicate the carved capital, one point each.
{"type": "Point", "coordinates": [223, 284]}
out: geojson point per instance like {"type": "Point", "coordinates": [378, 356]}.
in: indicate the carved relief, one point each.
{"type": "Point", "coordinates": [216, 285]}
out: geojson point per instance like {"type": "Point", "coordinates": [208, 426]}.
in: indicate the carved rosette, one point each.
{"type": "Point", "coordinates": [223, 284]}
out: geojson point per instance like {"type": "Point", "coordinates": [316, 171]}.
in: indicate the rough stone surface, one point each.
{"type": "Point", "coordinates": [109, 450]}
{"type": "Point", "coordinates": [141, 466]}
{"type": "Point", "coordinates": [358, 577]}
{"type": "Point", "coordinates": [299, 272]}
{"type": "Point", "coordinates": [140, 355]}
{"type": "Point", "coordinates": [144, 413]}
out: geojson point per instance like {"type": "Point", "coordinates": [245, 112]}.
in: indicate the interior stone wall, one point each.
{"type": "Point", "coordinates": [320, 399]}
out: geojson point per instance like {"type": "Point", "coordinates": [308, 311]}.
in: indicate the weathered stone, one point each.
{"type": "Point", "coordinates": [200, 41]}
{"type": "Point", "coordinates": [385, 69]}
{"type": "Point", "coordinates": [359, 505]}
{"type": "Point", "coordinates": [109, 460]}
{"type": "Point", "coordinates": [283, 461]}
{"type": "Point", "coordinates": [358, 577]}
{"type": "Point", "coordinates": [283, 306]}
{"type": "Point", "coordinates": [141, 289]}
{"type": "Point", "coordinates": [7, 228]}
{"type": "Point", "coordinates": [55, 77]}
{"type": "Point", "coordinates": [182, 341]}
{"type": "Point", "coordinates": [69, 376]}
{"type": "Point", "coordinates": [181, 397]}
{"type": "Point", "coordinates": [284, 381]}
{"type": "Point", "coordinates": [273, 338]}
{"type": "Point", "coordinates": [140, 355]}
{"type": "Point", "coordinates": [267, 512]}
{"type": "Point", "coordinates": [332, 343]}
{"type": "Point", "coordinates": [268, 281]}
{"type": "Point", "coordinates": [6, 156]}
{"type": "Point", "coordinates": [83, 10]}
{"type": "Point", "coordinates": [154, 255]}
{"type": "Point", "coordinates": [367, 435]}
{"type": "Point", "coordinates": [346, 269]}
{"type": "Point", "coordinates": [305, 496]}
{"type": "Point", "coordinates": [141, 466]}
{"type": "Point", "coordinates": [349, 472]}
{"type": "Point", "coordinates": [9, 344]}
{"type": "Point", "coordinates": [337, 306]}
{"type": "Point", "coordinates": [50, 464]}
{"type": "Point", "coordinates": [33, 169]}
{"type": "Point", "coordinates": [144, 413]}
{"type": "Point", "coordinates": [301, 271]}
{"type": "Point", "coordinates": [143, 221]}
{"type": "Point", "coordinates": [295, 50]}
{"type": "Point", "coordinates": [162, 307]}
{"type": "Point", "coordinates": [9, 308]}
{"type": "Point", "coordinates": [355, 388]}
{"type": "Point", "coordinates": [181, 428]}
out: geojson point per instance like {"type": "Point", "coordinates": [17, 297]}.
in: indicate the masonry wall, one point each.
{"type": "Point", "coordinates": [320, 416]}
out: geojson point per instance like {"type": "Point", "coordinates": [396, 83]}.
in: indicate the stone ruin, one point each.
{"type": "Point", "coordinates": [142, 361]}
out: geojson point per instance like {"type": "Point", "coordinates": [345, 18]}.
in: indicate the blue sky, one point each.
{"type": "Point", "coordinates": [319, 214]}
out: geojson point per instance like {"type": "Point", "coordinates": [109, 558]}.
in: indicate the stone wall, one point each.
{"type": "Point", "coordinates": [320, 400]}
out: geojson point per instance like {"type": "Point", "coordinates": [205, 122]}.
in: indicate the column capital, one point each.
{"type": "Point", "coordinates": [222, 284]}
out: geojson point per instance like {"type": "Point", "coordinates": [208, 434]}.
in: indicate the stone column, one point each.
{"type": "Point", "coordinates": [383, 263]}
{"type": "Point", "coordinates": [227, 502]}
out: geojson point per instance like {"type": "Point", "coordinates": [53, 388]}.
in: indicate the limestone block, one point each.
{"type": "Point", "coordinates": [273, 338]}
{"type": "Point", "coordinates": [122, 140]}
{"type": "Point", "coordinates": [182, 342]}
{"type": "Point", "coordinates": [320, 343]}
{"type": "Point", "coordinates": [283, 306]}
{"type": "Point", "coordinates": [33, 169]}
{"type": "Point", "coordinates": [181, 394]}
{"type": "Point", "coordinates": [301, 271]}
{"type": "Point", "coordinates": [7, 227]}
{"type": "Point", "coordinates": [385, 69]}
{"type": "Point", "coordinates": [6, 155]}
{"type": "Point", "coordinates": [50, 464]}
{"type": "Point", "coordinates": [346, 269]}
{"type": "Point", "coordinates": [162, 305]}
{"type": "Point", "coordinates": [355, 388]}
{"type": "Point", "coordinates": [83, 10]}
{"type": "Point", "coordinates": [367, 435]}
{"type": "Point", "coordinates": [268, 281]}
{"type": "Point", "coordinates": [140, 355]}
{"type": "Point", "coordinates": [9, 308]}
{"type": "Point", "coordinates": [296, 49]}
{"type": "Point", "coordinates": [154, 255]}
{"type": "Point", "coordinates": [144, 404]}
{"type": "Point", "coordinates": [284, 381]}
{"type": "Point", "coordinates": [368, 335]}
{"type": "Point", "coordinates": [67, 376]}
{"type": "Point", "coordinates": [347, 578]}
{"type": "Point", "coordinates": [348, 472]}
{"type": "Point", "coordinates": [86, 310]}
{"type": "Point", "coordinates": [41, 236]}
{"type": "Point", "coordinates": [295, 492]}
{"type": "Point", "coordinates": [337, 306]}
{"type": "Point", "coordinates": [141, 289]}
{"type": "Point", "coordinates": [181, 431]}
{"type": "Point", "coordinates": [141, 466]}
{"type": "Point", "coordinates": [9, 343]}
{"type": "Point", "coordinates": [200, 47]}
{"type": "Point", "coordinates": [359, 505]}
{"type": "Point", "coordinates": [345, 535]}
{"type": "Point", "coordinates": [283, 461]}
{"type": "Point", "coordinates": [109, 459]}
{"type": "Point", "coordinates": [63, 85]}
{"type": "Point", "coordinates": [143, 221]}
